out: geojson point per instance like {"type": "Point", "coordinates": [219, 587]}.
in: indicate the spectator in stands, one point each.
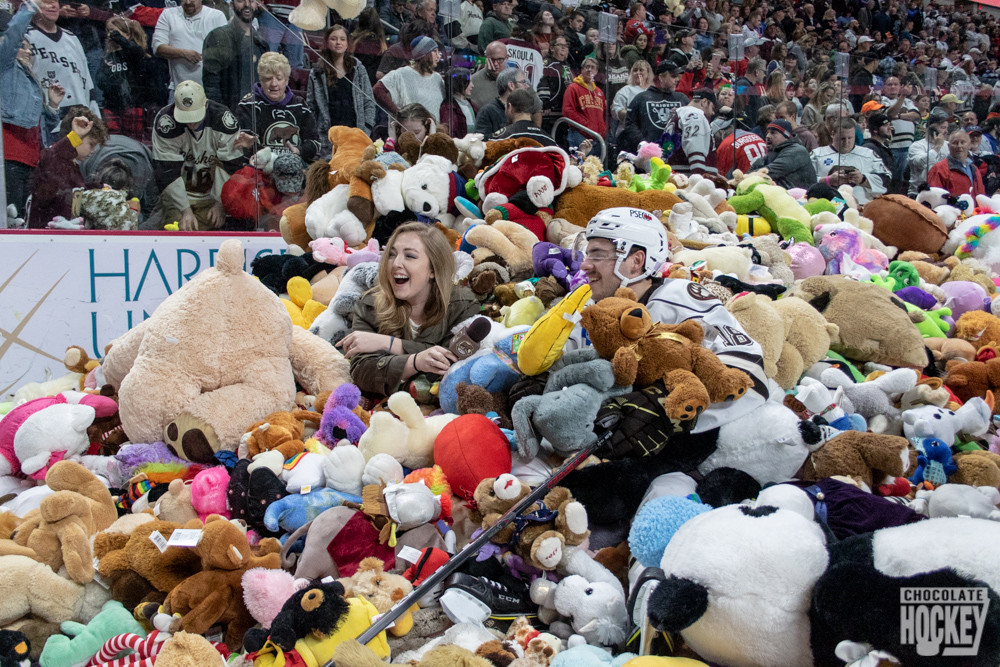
{"type": "Point", "coordinates": [572, 30]}
{"type": "Point", "coordinates": [649, 111]}
{"type": "Point", "coordinates": [979, 147]}
{"type": "Point", "coordinates": [639, 49]}
{"type": "Point", "coordinates": [544, 28]}
{"type": "Point", "coordinates": [555, 7]}
{"type": "Point", "coordinates": [281, 119]}
{"type": "Point", "coordinates": [58, 58]}
{"type": "Point", "coordinates": [522, 104]}
{"type": "Point", "coordinates": [636, 22]}
{"type": "Point", "coordinates": [957, 173]}
{"type": "Point", "coordinates": [786, 111]}
{"type": "Point", "coordinates": [403, 326]}
{"type": "Point", "coordinates": [456, 110]}
{"type": "Point", "coordinates": [398, 55]}
{"type": "Point", "coordinates": [484, 86]}
{"type": "Point", "coordinates": [493, 117]}
{"type": "Point", "coordinates": [684, 52]}
{"type": "Point", "coordinates": [197, 144]}
{"type": "Point", "coordinates": [991, 129]}
{"type": "Point", "coordinates": [394, 16]}
{"type": "Point", "coordinates": [812, 112]}
{"type": "Point", "coordinates": [411, 118]}
{"type": "Point", "coordinates": [368, 41]}
{"type": "Point", "coordinates": [925, 153]}
{"type": "Point", "coordinates": [281, 35]}
{"type": "Point", "coordinates": [470, 19]}
{"type": "Point", "coordinates": [749, 91]}
{"type": "Point", "coordinates": [845, 162]}
{"type": "Point", "coordinates": [24, 103]}
{"type": "Point", "coordinates": [832, 115]}
{"type": "Point", "coordinates": [584, 103]}
{"type": "Point", "coordinates": [180, 36]}
{"type": "Point", "coordinates": [498, 23]}
{"type": "Point", "coordinates": [556, 77]}
{"type": "Point", "coordinates": [58, 172]}
{"type": "Point", "coordinates": [339, 92]}
{"type": "Point", "coordinates": [880, 142]}
{"type": "Point", "coordinates": [417, 84]}
{"type": "Point", "coordinates": [639, 78]}
{"type": "Point", "coordinates": [688, 128]}
{"type": "Point", "coordinates": [739, 149]}
{"type": "Point", "coordinates": [904, 115]}
{"type": "Point", "coordinates": [231, 54]}
{"type": "Point", "coordinates": [119, 77]}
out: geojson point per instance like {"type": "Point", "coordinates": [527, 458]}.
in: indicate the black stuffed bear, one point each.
{"type": "Point", "coordinates": [316, 610]}
{"type": "Point", "coordinates": [14, 649]}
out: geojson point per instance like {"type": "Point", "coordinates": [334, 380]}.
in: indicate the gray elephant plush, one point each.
{"type": "Point", "coordinates": [561, 420]}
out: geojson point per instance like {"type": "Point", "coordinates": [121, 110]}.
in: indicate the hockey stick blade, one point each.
{"type": "Point", "coordinates": [473, 547]}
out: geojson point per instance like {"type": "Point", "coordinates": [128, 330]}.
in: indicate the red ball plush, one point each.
{"type": "Point", "coordinates": [470, 449]}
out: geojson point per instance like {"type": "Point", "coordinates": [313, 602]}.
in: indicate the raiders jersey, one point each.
{"type": "Point", "coordinates": [193, 165]}
{"type": "Point", "coordinates": [676, 301]}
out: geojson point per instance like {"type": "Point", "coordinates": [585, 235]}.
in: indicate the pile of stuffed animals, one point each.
{"type": "Point", "coordinates": [215, 490]}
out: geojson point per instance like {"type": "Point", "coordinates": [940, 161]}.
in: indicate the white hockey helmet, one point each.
{"type": "Point", "coordinates": [626, 228]}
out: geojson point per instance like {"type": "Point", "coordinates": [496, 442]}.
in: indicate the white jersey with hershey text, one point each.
{"type": "Point", "coordinates": [677, 301]}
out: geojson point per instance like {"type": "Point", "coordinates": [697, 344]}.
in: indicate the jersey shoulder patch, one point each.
{"type": "Point", "coordinates": [221, 119]}
{"type": "Point", "coordinates": [165, 125]}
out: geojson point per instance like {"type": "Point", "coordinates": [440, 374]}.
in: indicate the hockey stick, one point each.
{"type": "Point", "coordinates": [473, 547]}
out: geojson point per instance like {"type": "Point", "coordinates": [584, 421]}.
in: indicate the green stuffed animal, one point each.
{"type": "Point", "coordinates": [905, 275]}
{"type": "Point", "coordinates": [756, 194]}
{"type": "Point", "coordinates": [87, 640]}
{"type": "Point", "coordinates": [657, 179]}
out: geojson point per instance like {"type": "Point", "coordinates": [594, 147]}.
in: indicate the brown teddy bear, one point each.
{"type": "Point", "coordinates": [946, 350]}
{"type": "Point", "coordinates": [979, 328]}
{"type": "Point", "coordinates": [473, 399]}
{"type": "Point", "coordinates": [371, 582]}
{"type": "Point", "coordinates": [509, 241]}
{"type": "Point", "coordinates": [280, 431]}
{"type": "Point", "coordinates": [351, 147]}
{"type": "Point", "coordinates": [175, 505]}
{"type": "Point", "coordinates": [137, 570]}
{"type": "Point", "coordinates": [543, 530]}
{"type": "Point", "coordinates": [968, 272]}
{"type": "Point", "coordinates": [184, 649]}
{"type": "Point", "coordinates": [976, 468]}
{"type": "Point", "coordinates": [865, 457]}
{"type": "Point", "coordinates": [215, 595]}
{"type": "Point", "coordinates": [581, 203]}
{"type": "Point", "coordinates": [643, 352]}
{"type": "Point", "coordinates": [968, 379]}
{"type": "Point", "coordinates": [59, 531]}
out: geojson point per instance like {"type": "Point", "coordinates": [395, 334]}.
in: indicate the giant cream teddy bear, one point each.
{"type": "Point", "coordinates": [216, 356]}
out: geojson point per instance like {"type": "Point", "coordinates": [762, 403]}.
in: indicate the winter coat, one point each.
{"type": "Point", "coordinates": [223, 57]}
{"type": "Point", "coordinates": [23, 99]}
{"type": "Point", "coordinates": [55, 179]}
{"type": "Point", "coordinates": [492, 29]}
{"type": "Point", "coordinates": [382, 372]}
{"type": "Point", "coordinates": [950, 175]}
{"type": "Point", "coordinates": [788, 165]}
{"type": "Point", "coordinates": [648, 116]}
{"type": "Point", "coordinates": [318, 98]}
{"type": "Point", "coordinates": [120, 75]}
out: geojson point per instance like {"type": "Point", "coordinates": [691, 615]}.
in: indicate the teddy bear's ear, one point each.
{"type": "Point", "coordinates": [625, 293]}
{"type": "Point", "coordinates": [370, 564]}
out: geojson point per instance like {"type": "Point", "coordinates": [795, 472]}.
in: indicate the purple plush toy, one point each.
{"type": "Point", "coordinates": [548, 259]}
{"type": "Point", "coordinates": [963, 296]}
{"type": "Point", "coordinates": [848, 243]}
{"type": "Point", "coordinates": [339, 421]}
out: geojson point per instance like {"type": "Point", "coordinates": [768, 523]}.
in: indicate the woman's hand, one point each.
{"type": "Point", "coordinates": [363, 342]}
{"type": "Point", "coordinates": [82, 126]}
{"type": "Point", "coordinates": [435, 360]}
{"type": "Point", "coordinates": [56, 95]}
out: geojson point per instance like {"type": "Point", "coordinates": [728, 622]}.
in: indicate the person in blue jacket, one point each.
{"type": "Point", "coordinates": [24, 102]}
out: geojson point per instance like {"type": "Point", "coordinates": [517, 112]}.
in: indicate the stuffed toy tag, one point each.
{"type": "Point", "coordinates": [157, 538]}
{"type": "Point", "coordinates": [185, 538]}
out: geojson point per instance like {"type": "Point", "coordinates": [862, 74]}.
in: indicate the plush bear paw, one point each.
{"type": "Point", "coordinates": [683, 405]}
{"type": "Point", "coordinates": [733, 385]}
{"type": "Point", "coordinates": [547, 549]}
{"type": "Point", "coordinates": [576, 518]}
{"type": "Point", "coordinates": [191, 438]}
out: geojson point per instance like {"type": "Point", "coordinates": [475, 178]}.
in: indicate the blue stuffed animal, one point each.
{"type": "Point", "coordinates": [296, 510]}
{"type": "Point", "coordinates": [493, 370]}
{"type": "Point", "coordinates": [934, 463]}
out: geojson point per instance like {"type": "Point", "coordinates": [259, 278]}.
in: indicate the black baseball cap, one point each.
{"type": "Point", "coordinates": [669, 68]}
{"type": "Point", "coordinates": [877, 120]}
{"type": "Point", "coordinates": [706, 95]}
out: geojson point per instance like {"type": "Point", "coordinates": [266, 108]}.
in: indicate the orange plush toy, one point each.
{"type": "Point", "coordinates": [349, 151]}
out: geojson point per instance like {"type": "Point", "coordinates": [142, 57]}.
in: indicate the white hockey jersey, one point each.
{"type": "Point", "coordinates": [58, 58]}
{"type": "Point", "coordinates": [692, 148]}
{"type": "Point", "coordinates": [677, 301]}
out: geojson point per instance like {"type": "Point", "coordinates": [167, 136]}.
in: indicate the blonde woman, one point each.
{"type": "Point", "coordinates": [640, 77]}
{"type": "Point", "coordinates": [403, 325]}
{"type": "Point", "coordinates": [280, 120]}
{"type": "Point", "coordinates": [812, 113]}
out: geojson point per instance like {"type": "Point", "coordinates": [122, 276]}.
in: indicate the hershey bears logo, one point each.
{"type": "Point", "coordinates": [229, 120]}
{"type": "Point", "coordinates": [165, 124]}
{"type": "Point", "coordinates": [700, 293]}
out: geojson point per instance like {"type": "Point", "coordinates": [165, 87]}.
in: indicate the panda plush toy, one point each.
{"type": "Point", "coordinates": [764, 587]}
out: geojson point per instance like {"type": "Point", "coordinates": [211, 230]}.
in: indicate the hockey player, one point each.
{"type": "Point", "coordinates": [196, 146]}
{"type": "Point", "coordinates": [626, 247]}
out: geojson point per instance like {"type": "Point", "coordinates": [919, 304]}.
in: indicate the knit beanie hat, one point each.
{"type": "Point", "coordinates": [782, 127]}
{"type": "Point", "coordinates": [421, 46]}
